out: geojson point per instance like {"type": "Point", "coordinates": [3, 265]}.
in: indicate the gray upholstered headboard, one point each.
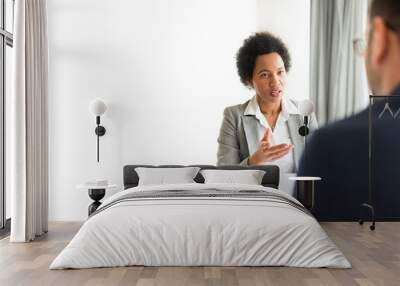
{"type": "Point", "coordinates": [270, 179]}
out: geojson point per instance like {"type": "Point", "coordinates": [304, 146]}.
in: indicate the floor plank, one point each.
{"type": "Point", "coordinates": [374, 255]}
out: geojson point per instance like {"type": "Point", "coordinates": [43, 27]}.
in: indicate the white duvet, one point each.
{"type": "Point", "coordinates": [200, 231]}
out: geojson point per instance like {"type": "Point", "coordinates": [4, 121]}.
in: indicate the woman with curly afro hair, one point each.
{"type": "Point", "coordinates": [264, 129]}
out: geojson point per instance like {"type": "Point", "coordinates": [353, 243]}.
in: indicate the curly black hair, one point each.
{"type": "Point", "coordinates": [259, 44]}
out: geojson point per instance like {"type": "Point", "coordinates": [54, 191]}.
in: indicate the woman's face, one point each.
{"type": "Point", "coordinates": [269, 78]}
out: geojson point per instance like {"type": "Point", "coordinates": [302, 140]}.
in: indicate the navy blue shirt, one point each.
{"type": "Point", "coordinates": [339, 153]}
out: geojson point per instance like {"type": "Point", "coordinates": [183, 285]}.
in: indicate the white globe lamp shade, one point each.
{"type": "Point", "coordinates": [306, 107]}
{"type": "Point", "coordinates": [97, 107]}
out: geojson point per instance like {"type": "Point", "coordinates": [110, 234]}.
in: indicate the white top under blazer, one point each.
{"type": "Point", "coordinates": [280, 134]}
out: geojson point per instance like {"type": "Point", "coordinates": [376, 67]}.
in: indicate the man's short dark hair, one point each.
{"type": "Point", "coordinates": [389, 10]}
{"type": "Point", "coordinates": [259, 44]}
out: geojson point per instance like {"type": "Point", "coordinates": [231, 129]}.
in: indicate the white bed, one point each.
{"type": "Point", "coordinates": [207, 230]}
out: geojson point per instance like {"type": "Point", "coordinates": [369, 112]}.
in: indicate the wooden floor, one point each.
{"type": "Point", "coordinates": [375, 257]}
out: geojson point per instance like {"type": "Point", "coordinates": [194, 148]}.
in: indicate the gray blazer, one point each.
{"type": "Point", "coordinates": [238, 137]}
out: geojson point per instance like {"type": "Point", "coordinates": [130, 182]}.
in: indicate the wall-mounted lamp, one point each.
{"type": "Point", "coordinates": [97, 107]}
{"type": "Point", "coordinates": [306, 108]}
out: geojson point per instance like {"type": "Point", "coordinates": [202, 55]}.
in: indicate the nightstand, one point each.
{"type": "Point", "coordinates": [305, 190]}
{"type": "Point", "coordinates": [96, 193]}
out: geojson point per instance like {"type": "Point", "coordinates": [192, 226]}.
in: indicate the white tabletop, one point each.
{"type": "Point", "coordinates": [94, 187]}
{"type": "Point", "coordinates": [305, 178]}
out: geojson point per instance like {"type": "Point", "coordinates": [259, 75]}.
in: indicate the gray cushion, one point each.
{"type": "Point", "coordinates": [248, 177]}
{"type": "Point", "coordinates": [270, 179]}
{"type": "Point", "coordinates": [164, 176]}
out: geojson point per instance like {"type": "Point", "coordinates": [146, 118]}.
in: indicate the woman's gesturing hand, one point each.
{"type": "Point", "coordinates": [268, 153]}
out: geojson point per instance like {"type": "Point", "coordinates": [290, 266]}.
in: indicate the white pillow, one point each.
{"type": "Point", "coordinates": [248, 177]}
{"type": "Point", "coordinates": [164, 176]}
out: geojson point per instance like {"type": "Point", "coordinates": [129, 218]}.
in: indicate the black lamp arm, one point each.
{"type": "Point", "coordinates": [306, 120]}
{"type": "Point", "coordinates": [100, 131]}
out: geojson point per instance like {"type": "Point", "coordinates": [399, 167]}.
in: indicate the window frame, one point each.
{"type": "Point", "coordinates": [6, 39]}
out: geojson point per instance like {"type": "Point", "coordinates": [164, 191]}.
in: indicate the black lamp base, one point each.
{"type": "Point", "coordinates": [304, 130]}
{"type": "Point", "coordinates": [100, 130]}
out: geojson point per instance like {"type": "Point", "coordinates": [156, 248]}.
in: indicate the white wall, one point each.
{"type": "Point", "coordinates": [290, 20]}
{"type": "Point", "coordinates": [166, 70]}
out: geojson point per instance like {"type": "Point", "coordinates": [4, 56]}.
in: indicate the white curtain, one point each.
{"type": "Point", "coordinates": [28, 123]}
{"type": "Point", "coordinates": [338, 81]}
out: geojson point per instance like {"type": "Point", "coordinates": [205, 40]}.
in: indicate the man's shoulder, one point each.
{"type": "Point", "coordinates": [350, 129]}
{"type": "Point", "coordinates": [352, 124]}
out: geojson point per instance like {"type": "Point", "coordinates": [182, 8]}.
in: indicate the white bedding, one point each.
{"type": "Point", "coordinates": [200, 231]}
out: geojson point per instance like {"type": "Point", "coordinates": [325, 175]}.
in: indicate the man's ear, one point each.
{"type": "Point", "coordinates": [249, 84]}
{"type": "Point", "coordinates": [379, 41]}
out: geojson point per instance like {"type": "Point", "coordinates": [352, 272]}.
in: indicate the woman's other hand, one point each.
{"type": "Point", "coordinates": [268, 153]}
